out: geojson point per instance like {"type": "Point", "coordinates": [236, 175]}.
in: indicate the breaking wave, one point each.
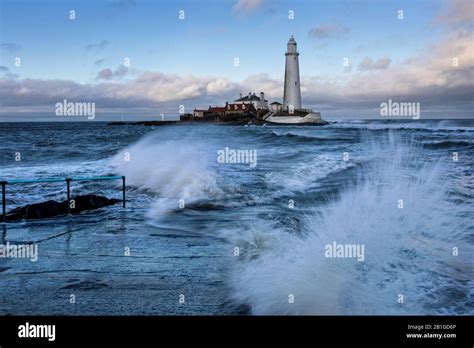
{"type": "Point", "coordinates": [305, 174]}
{"type": "Point", "coordinates": [307, 135]}
{"type": "Point", "coordinates": [447, 144]}
{"type": "Point", "coordinates": [408, 251]}
{"type": "Point", "coordinates": [433, 125]}
{"type": "Point", "coordinates": [170, 170]}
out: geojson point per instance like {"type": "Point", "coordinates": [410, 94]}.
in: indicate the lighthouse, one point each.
{"type": "Point", "coordinates": [291, 111]}
{"type": "Point", "coordinates": [292, 91]}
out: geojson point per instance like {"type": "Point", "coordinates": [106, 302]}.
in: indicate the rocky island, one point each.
{"type": "Point", "coordinates": [254, 109]}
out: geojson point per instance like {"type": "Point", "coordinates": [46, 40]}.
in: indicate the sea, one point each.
{"type": "Point", "coordinates": [247, 233]}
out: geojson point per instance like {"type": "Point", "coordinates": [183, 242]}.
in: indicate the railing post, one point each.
{"type": "Point", "coordinates": [4, 201]}
{"type": "Point", "coordinates": [123, 190]}
{"type": "Point", "coordinates": [68, 184]}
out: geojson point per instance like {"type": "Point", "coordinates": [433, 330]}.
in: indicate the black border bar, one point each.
{"type": "Point", "coordinates": [223, 330]}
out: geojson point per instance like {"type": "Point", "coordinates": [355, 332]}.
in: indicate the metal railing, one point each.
{"type": "Point", "coordinates": [68, 186]}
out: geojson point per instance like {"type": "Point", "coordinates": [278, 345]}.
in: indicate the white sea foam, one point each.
{"type": "Point", "coordinates": [171, 170]}
{"type": "Point", "coordinates": [444, 125]}
{"type": "Point", "coordinates": [304, 175]}
{"type": "Point", "coordinates": [407, 251]}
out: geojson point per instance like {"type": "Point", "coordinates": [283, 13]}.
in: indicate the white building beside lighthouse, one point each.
{"type": "Point", "coordinates": [258, 102]}
{"type": "Point", "coordinates": [292, 91]}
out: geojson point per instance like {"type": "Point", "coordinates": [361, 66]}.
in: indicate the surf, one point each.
{"type": "Point", "coordinates": [408, 246]}
{"type": "Point", "coordinates": [174, 172]}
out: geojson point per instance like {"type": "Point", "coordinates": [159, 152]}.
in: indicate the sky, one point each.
{"type": "Point", "coordinates": [144, 58]}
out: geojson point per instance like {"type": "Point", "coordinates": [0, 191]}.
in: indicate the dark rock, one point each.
{"type": "Point", "coordinates": [85, 285]}
{"type": "Point", "coordinates": [52, 208]}
{"type": "Point", "coordinates": [87, 202]}
{"type": "Point", "coordinates": [44, 210]}
{"type": "Point", "coordinates": [15, 214]}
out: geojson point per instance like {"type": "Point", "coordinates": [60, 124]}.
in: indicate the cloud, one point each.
{"type": "Point", "coordinates": [325, 31]}
{"type": "Point", "coordinates": [99, 62]}
{"type": "Point", "coordinates": [161, 87]}
{"type": "Point", "coordinates": [97, 46]}
{"type": "Point", "coordinates": [273, 88]}
{"type": "Point", "coordinates": [105, 74]}
{"type": "Point", "coordinates": [441, 89]}
{"type": "Point", "coordinates": [457, 13]}
{"type": "Point", "coordinates": [431, 77]}
{"type": "Point", "coordinates": [108, 74]}
{"type": "Point", "coordinates": [347, 69]}
{"type": "Point", "coordinates": [368, 63]}
{"type": "Point", "coordinates": [6, 73]}
{"type": "Point", "coordinates": [246, 7]}
{"type": "Point", "coordinates": [444, 90]}
{"type": "Point", "coordinates": [149, 91]}
{"type": "Point", "coordinates": [10, 47]}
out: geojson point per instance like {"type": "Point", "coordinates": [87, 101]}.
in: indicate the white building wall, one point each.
{"type": "Point", "coordinates": [275, 107]}
{"type": "Point", "coordinates": [260, 105]}
{"type": "Point", "coordinates": [256, 103]}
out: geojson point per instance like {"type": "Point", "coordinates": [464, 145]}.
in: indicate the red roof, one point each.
{"type": "Point", "coordinates": [216, 109]}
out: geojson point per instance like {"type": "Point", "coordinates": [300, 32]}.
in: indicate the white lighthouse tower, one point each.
{"type": "Point", "coordinates": [292, 92]}
{"type": "Point", "coordinates": [292, 112]}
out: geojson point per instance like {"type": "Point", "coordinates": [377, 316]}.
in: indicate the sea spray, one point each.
{"type": "Point", "coordinates": [176, 172]}
{"type": "Point", "coordinates": [407, 246]}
